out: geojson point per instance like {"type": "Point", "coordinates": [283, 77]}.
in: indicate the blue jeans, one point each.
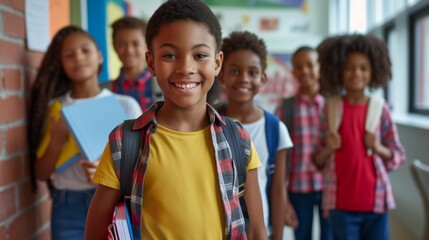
{"type": "Point", "coordinates": [304, 204]}
{"type": "Point", "coordinates": [351, 225]}
{"type": "Point", "coordinates": [69, 209]}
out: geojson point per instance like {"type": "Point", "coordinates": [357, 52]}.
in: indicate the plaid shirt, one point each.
{"type": "Point", "coordinates": [304, 177]}
{"type": "Point", "coordinates": [139, 88]}
{"type": "Point", "coordinates": [227, 175]}
{"type": "Point", "coordinates": [387, 134]}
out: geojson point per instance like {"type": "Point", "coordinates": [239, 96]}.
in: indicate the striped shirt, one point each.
{"type": "Point", "coordinates": [387, 134]}
{"type": "Point", "coordinates": [303, 175]}
{"type": "Point", "coordinates": [139, 88]}
{"type": "Point", "coordinates": [226, 170]}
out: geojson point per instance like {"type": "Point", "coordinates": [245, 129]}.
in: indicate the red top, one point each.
{"type": "Point", "coordinates": [355, 171]}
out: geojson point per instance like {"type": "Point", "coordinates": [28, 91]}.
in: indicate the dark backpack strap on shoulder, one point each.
{"type": "Point", "coordinates": [288, 109]}
{"type": "Point", "coordinates": [272, 134]}
{"type": "Point", "coordinates": [239, 157]}
{"type": "Point", "coordinates": [129, 155]}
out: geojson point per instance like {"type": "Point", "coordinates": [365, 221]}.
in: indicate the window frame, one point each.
{"type": "Point", "coordinates": [414, 17]}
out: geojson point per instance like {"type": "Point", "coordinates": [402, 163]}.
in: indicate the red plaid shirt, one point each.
{"type": "Point", "coordinates": [304, 177]}
{"type": "Point", "coordinates": [139, 88]}
{"type": "Point", "coordinates": [227, 175]}
{"type": "Point", "coordinates": [388, 135]}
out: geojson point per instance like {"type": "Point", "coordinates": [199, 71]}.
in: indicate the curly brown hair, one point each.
{"type": "Point", "coordinates": [333, 52]}
{"type": "Point", "coordinates": [51, 82]}
{"type": "Point", "coordinates": [245, 41]}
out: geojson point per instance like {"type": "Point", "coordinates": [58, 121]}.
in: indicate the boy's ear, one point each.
{"type": "Point", "coordinates": [218, 62]}
{"type": "Point", "coordinates": [100, 58]}
{"type": "Point", "coordinates": [264, 78]}
{"type": "Point", "coordinates": [150, 63]}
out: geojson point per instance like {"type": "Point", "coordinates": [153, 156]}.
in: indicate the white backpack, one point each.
{"type": "Point", "coordinates": [373, 115]}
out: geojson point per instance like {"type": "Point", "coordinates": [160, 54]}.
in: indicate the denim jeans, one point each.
{"type": "Point", "coordinates": [69, 209]}
{"type": "Point", "coordinates": [351, 225]}
{"type": "Point", "coordinates": [304, 204]}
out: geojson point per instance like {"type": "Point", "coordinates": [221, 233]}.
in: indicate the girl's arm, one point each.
{"type": "Point", "coordinates": [333, 143]}
{"type": "Point", "coordinates": [100, 212]}
{"type": "Point", "coordinates": [278, 196]}
{"type": "Point", "coordinates": [252, 196]}
{"type": "Point", "coordinates": [45, 166]}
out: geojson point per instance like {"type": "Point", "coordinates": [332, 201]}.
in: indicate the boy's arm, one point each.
{"type": "Point", "coordinates": [252, 196]}
{"type": "Point", "coordinates": [333, 143]}
{"type": "Point", "coordinates": [100, 212]}
{"type": "Point", "coordinates": [278, 196]}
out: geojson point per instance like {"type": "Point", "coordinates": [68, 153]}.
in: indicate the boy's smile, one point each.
{"type": "Point", "coordinates": [184, 61]}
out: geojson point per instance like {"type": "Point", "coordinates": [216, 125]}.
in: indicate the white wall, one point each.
{"type": "Point", "coordinates": [296, 28]}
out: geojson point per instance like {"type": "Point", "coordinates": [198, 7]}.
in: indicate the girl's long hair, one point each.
{"type": "Point", "coordinates": [51, 81]}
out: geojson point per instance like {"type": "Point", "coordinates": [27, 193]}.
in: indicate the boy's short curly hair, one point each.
{"type": "Point", "coordinates": [128, 22]}
{"type": "Point", "coordinates": [245, 41]}
{"type": "Point", "coordinates": [333, 54]}
{"type": "Point", "coordinates": [173, 10]}
{"type": "Point", "coordinates": [303, 49]}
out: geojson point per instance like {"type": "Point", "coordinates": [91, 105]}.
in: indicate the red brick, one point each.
{"type": "Point", "coordinates": [11, 53]}
{"type": "Point", "coordinates": [14, 25]}
{"type": "Point", "coordinates": [11, 109]}
{"type": "Point", "coordinates": [18, 5]}
{"type": "Point", "coordinates": [12, 79]}
{"type": "Point", "coordinates": [1, 143]}
{"type": "Point", "coordinates": [28, 222]}
{"type": "Point", "coordinates": [45, 235]}
{"type": "Point", "coordinates": [27, 196]}
{"type": "Point", "coordinates": [2, 228]}
{"type": "Point", "coordinates": [25, 225]}
{"type": "Point", "coordinates": [7, 198]}
{"type": "Point", "coordinates": [5, 2]}
{"type": "Point", "coordinates": [11, 170]}
{"type": "Point", "coordinates": [16, 139]}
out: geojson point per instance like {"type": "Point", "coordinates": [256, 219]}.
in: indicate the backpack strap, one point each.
{"type": "Point", "coordinates": [234, 140]}
{"type": "Point", "coordinates": [288, 108]}
{"type": "Point", "coordinates": [129, 156]}
{"type": "Point", "coordinates": [272, 134]}
{"type": "Point", "coordinates": [373, 115]}
{"type": "Point", "coordinates": [333, 113]}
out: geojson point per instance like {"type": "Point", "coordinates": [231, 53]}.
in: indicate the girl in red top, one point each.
{"type": "Point", "coordinates": [357, 191]}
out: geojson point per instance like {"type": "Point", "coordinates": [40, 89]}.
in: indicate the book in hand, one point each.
{"type": "Point", "coordinates": [121, 224]}
{"type": "Point", "coordinates": [90, 123]}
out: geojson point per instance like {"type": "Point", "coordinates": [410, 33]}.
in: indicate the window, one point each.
{"type": "Point", "coordinates": [419, 62]}
{"type": "Point", "coordinates": [390, 37]}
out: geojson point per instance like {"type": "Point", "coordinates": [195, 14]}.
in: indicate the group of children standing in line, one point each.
{"type": "Point", "coordinates": [185, 184]}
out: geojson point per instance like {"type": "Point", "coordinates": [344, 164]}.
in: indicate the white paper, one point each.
{"type": "Point", "coordinates": [37, 24]}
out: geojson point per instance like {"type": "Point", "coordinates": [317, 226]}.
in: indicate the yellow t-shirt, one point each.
{"type": "Point", "coordinates": [69, 150]}
{"type": "Point", "coordinates": [181, 197]}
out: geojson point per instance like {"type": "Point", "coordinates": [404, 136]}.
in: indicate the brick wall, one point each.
{"type": "Point", "coordinates": [23, 214]}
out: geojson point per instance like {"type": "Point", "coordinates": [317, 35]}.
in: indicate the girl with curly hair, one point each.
{"type": "Point", "coordinates": [358, 193]}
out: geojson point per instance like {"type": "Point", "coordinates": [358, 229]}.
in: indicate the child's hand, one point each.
{"type": "Point", "coordinates": [291, 219]}
{"type": "Point", "coordinates": [370, 141]}
{"type": "Point", "coordinates": [334, 141]}
{"type": "Point", "coordinates": [59, 131]}
{"type": "Point", "coordinates": [89, 169]}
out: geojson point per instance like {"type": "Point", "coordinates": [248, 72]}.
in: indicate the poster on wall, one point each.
{"type": "Point", "coordinates": [257, 3]}
{"type": "Point", "coordinates": [37, 24]}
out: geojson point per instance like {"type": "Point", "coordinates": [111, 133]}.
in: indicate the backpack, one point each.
{"type": "Point", "coordinates": [272, 136]}
{"type": "Point", "coordinates": [288, 112]}
{"type": "Point", "coordinates": [373, 115]}
{"type": "Point", "coordinates": [132, 141]}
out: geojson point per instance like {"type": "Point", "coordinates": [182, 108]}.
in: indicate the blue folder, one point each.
{"type": "Point", "coordinates": [90, 123]}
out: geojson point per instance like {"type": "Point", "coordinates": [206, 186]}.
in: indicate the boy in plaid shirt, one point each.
{"type": "Point", "coordinates": [135, 79]}
{"type": "Point", "coordinates": [305, 181]}
{"type": "Point", "coordinates": [185, 183]}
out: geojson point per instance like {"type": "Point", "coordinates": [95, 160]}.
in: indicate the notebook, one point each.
{"type": "Point", "coordinates": [90, 123]}
{"type": "Point", "coordinates": [121, 224]}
